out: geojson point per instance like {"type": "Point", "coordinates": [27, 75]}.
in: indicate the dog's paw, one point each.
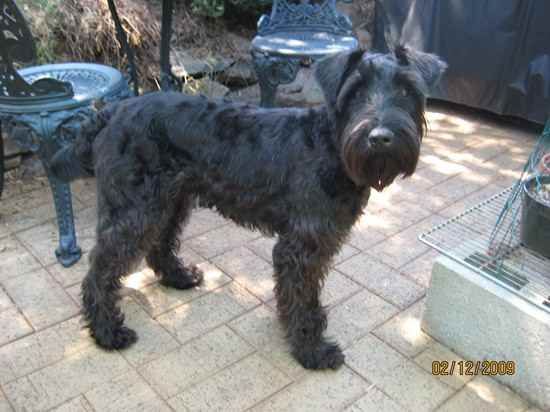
{"type": "Point", "coordinates": [119, 338]}
{"type": "Point", "coordinates": [323, 356]}
{"type": "Point", "coordinates": [183, 279]}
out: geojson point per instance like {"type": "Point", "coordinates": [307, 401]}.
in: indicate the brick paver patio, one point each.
{"type": "Point", "coordinates": [219, 347]}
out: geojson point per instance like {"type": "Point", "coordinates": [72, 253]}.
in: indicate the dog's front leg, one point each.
{"type": "Point", "coordinates": [299, 271]}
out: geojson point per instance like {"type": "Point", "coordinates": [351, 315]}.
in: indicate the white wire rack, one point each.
{"type": "Point", "coordinates": [466, 239]}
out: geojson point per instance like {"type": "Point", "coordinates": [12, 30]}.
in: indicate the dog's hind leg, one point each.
{"type": "Point", "coordinates": [300, 267]}
{"type": "Point", "coordinates": [163, 255]}
{"type": "Point", "coordinates": [116, 252]}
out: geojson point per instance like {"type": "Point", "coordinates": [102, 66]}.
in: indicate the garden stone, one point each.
{"type": "Point", "coordinates": [31, 166]}
{"type": "Point", "coordinates": [240, 44]}
{"type": "Point", "coordinates": [185, 64]}
{"type": "Point", "coordinates": [11, 148]}
{"type": "Point", "coordinates": [208, 87]}
{"type": "Point", "coordinates": [240, 74]}
{"type": "Point", "coordinates": [12, 162]}
{"type": "Point", "coordinates": [304, 91]}
{"type": "Point", "coordinates": [249, 94]}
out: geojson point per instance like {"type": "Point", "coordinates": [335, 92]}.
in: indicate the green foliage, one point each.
{"type": "Point", "coordinates": [45, 51]}
{"type": "Point", "coordinates": [41, 15]}
{"type": "Point", "coordinates": [216, 8]}
{"type": "Point", "coordinates": [210, 8]}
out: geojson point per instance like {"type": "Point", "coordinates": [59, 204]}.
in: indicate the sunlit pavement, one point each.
{"type": "Point", "coordinates": [219, 347]}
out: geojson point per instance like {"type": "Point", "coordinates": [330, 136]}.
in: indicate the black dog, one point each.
{"type": "Point", "coordinates": [301, 174]}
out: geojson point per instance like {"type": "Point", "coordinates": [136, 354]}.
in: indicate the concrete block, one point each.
{"type": "Point", "coordinates": [480, 320]}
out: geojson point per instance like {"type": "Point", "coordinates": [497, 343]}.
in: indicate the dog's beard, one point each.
{"type": "Point", "coordinates": [376, 168]}
{"type": "Point", "coordinates": [381, 171]}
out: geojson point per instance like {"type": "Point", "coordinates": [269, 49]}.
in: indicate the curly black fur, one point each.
{"type": "Point", "coordinates": [301, 174]}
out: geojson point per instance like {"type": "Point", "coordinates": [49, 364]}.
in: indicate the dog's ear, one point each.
{"type": "Point", "coordinates": [429, 65]}
{"type": "Point", "coordinates": [331, 73]}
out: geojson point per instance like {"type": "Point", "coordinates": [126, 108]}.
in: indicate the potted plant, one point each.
{"type": "Point", "coordinates": [535, 215]}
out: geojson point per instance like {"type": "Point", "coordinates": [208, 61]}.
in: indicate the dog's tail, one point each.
{"type": "Point", "coordinates": [75, 161]}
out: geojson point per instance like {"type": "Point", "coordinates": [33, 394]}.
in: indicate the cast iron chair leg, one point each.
{"type": "Point", "coordinates": [268, 91]}
{"type": "Point", "coordinates": [1, 161]}
{"type": "Point", "coordinates": [68, 252]}
{"type": "Point", "coordinates": [273, 71]}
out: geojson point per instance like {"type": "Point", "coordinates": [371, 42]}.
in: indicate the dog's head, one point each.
{"type": "Point", "coordinates": [377, 103]}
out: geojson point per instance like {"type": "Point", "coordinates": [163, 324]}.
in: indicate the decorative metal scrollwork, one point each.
{"type": "Point", "coordinates": [17, 38]}
{"type": "Point", "coordinates": [305, 15]}
{"type": "Point", "coordinates": [16, 45]}
{"type": "Point", "coordinates": [273, 71]}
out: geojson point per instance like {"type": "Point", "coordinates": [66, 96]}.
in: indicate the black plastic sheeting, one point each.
{"type": "Point", "coordinates": [498, 51]}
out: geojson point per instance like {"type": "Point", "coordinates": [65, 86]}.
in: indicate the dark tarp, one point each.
{"type": "Point", "coordinates": [498, 51]}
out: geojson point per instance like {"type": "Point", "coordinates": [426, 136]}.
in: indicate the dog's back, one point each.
{"type": "Point", "coordinates": [230, 155]}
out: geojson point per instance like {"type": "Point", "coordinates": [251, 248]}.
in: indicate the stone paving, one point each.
{"type": "Point", "coordinates": [219, 347]}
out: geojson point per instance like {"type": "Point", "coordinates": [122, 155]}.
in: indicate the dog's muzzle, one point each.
{"type": "Point", "coordinates": [381, 167]}
{"type": "Point", "coordinates": [381, 171]}
{"type": "Point", "coordinates": [381, 138]}
{"type": "Point", "coordinates": [376, 156]}
{"type": "Point", "coordinates": [371, 161]}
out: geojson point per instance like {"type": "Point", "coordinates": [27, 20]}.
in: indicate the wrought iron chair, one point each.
{"type": "Point", "coordinates": [296, 30]}
{"type": "Point", "coordinates": [42, 108]}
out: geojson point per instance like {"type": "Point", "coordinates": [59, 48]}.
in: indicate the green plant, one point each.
{"type": "Point", "coordinates": [210, 8]}
{"type": "Point", "coordinates": [216, 8]}
{"type": "Point", "coordinates": [42, 17]}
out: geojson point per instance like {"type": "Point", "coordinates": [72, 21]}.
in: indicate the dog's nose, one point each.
{"type": "Point", "coordinates": [381, 137]}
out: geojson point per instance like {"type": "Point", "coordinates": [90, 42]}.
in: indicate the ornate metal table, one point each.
{"type": "Point", "coordinates": [43, 125]}
{"type": "Point", "coordinates": [294, 31]}
{"type": "Point", "coordinates": [42, 108]}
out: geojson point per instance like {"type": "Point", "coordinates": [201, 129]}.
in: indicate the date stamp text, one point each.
{"type": "Point", "coordinates": [474, 368]}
